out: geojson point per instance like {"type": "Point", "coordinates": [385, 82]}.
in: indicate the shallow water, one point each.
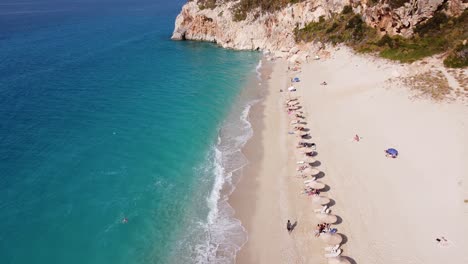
{"type": "Point", "coordinates": [102, 118]}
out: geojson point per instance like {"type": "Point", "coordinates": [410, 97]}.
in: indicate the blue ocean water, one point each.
{"type": "Point", "coordinates": [102, 118]}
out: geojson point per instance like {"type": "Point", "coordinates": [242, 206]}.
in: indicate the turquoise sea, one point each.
{"type": "Point", "coordinates": [104, 118]}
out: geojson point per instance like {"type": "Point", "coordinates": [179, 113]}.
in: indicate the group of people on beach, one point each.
{"type": "Point", "coordinates": [313, 187]}
{"type": "Point", "coordinates": [321, 228]}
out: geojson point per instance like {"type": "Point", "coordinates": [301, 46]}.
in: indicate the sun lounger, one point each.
{"type": "Point", "coordinates": [322, 210]}
{"type": "Point", "coordinates": [333, 253]}
{"type": "Point", "coordinates": [333, 248]}
{"type": "Point", "coordinates": [309, 181]}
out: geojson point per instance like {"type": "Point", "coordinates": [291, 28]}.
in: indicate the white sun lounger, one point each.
{"type": "Point", "coordinates": [332, 249]}
{"type": "Point", "coordinates": [321, 210]}
{"type": "Point", "coordinates": [325, 210]}
{"type": "Point", "coordinates": [333, 254]}
{"type": "Point", "coordinates": [309, 181]}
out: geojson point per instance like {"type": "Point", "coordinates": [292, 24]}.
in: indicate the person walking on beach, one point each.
{"type": "Point", "coordinates": [289, 226]}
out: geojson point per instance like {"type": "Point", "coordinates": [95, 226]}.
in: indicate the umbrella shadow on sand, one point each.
{"type": "Point", "coordinates": [352, 261]}
{"type": "Point", "coordinates": [294, 225]}
{"type": "Point", "coordinates": [325, 189]}
{"type": "Point", "coordinates": [339, 220]}
{"type": "Point", "coordinates": [331, 203]}
{"type": "Point", "coordinates": [344, 239]}
{"type": "Point", "coordinates": [315, 163]}
{"type": "Point", "coordinates": [320, 175]}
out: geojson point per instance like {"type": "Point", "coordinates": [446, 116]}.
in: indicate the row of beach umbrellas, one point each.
{"type": "Point", "coordinates": [318, 202]}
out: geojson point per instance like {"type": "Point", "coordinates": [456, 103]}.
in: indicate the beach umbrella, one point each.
{"type": "Point", "coordinates": [295, 122]}
{"type": "Point", "coordinates": [327, 218]}
{"type": "Point", "coordinates": [307, 151]}
{"type": "Point", "coordinates": [317, 206]}
{"type": "Point", "coordinates": [331, 239]}
{"type": "Point", "coordinates": [311, 171]}
{"type": "Point", "coordinates": [309, 159]}
{"type": "Point", "coordinates": [338, 260]}
{"type": "Point", "coordinates": [392, 151]}
{"type": "Point", "coordinates": [316, 185]}
{"type": "Point", "coordinates": [291, 89]}
{"type": "Point", "coordinates": [303, 133]}
{"type": "Point", "coordinates": [321, 200]}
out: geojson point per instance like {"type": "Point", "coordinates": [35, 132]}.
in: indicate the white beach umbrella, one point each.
{"type": "Point", "coordinates": [316, 185]}
{"type": "Point", "coordinates": [327, 218]}
{"type": "Point", "coordinates": [317, 206]}
{"type": "Point", "coordinates": [303, 133]}
{"type": "Point", "coordinates": [338, 260]}
{"type": "Point", "coordinates": [309, 159]}
{"type": "Point", "coordinates": [295, 122]}
{"type": "Point", "coordinates": [331, 239]}
{"type": "Point", "coordinates": [311, 171]}
{"type": "Point", "coordinates": [321, 200]}
{"type": "Point", "coordinates": [314, 171]}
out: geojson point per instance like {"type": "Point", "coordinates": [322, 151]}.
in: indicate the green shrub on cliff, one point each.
{"type": "Point", "coordinates": [202, 4]}
{"type": "Point", "coordinates": [244, 7]}
{"type": "Point", "coordinates": [437, 35]}
{"type": "Point", "coordinates": [346, 27]}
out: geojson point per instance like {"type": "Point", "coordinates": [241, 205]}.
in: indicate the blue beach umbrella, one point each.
{"type": "Point", "coordinates": [392, 151]}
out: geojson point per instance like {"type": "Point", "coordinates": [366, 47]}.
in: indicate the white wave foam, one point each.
{"type": "Point", "coordinates": [257, 70]}
{"type": "Point", "coordinates": [225, 234]}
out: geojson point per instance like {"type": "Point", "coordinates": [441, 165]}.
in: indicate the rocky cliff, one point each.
{"type": "Point", "coordinates": [273, 31]}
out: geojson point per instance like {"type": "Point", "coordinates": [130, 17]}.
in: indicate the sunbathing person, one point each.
{"type": "Point", "coordinates": [318, 230]}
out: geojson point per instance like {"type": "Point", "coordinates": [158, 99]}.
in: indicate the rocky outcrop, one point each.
{"type": "Point", "coordinates": [274, 32]}
{"type": "Point", "coordinates": [259, 31]}
{"type": "Point", "coordinates": [402, 20]}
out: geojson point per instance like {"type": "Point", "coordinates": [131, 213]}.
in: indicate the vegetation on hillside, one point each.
{"type": "Point", "coordinates": [437, 35]}
{"type": "Point", "coordinates": [244, 7]}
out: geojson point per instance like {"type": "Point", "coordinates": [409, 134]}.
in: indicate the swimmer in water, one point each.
{"type": "Point", "coordinates": [124, 221]}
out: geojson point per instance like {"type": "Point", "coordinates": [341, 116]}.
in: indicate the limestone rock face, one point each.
{"type": "Point", "coordinates": [274, 32]}
{"type": "Point", "coordinates": [402, 20]}
{"type": "Point", "coordinates": [267, 31]}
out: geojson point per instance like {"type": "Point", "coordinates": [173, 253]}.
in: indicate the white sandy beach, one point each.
{"type": "Point", "coordinates": [392, 210]}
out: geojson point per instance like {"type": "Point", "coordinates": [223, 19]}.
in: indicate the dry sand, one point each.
{"type": "Point", "coordinates": [391, 210]}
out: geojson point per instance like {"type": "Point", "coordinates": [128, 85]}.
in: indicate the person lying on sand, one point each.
{"type": "Point", "coordinates": [357, 138]}
{"type": "Point", "coordinates": [443, 242]}
{"type": "Point", "coordinates": [324, 83]}
{"type": "Point", "coordinates": [318, 230]}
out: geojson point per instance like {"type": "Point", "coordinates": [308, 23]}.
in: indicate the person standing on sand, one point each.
{"type": "Point", "coordinates": [289, 226]}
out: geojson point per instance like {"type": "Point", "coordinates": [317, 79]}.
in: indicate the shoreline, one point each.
{"type": "Point", "coordinates": [267, 194]}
